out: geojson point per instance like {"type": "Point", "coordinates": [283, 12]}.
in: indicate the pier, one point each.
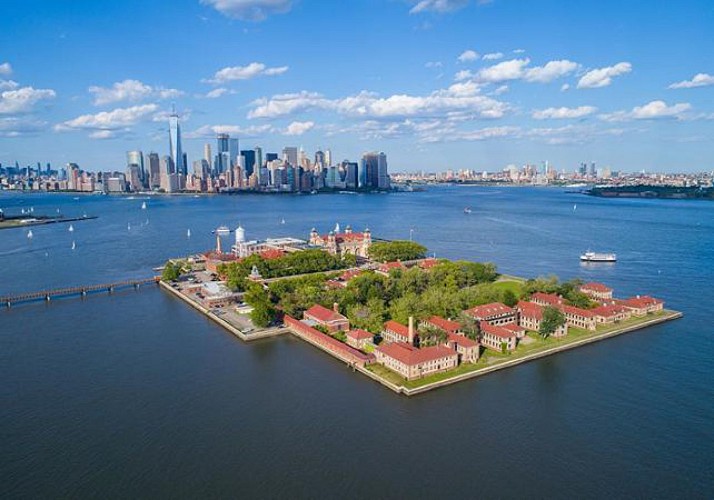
{"type": "Point", "coordinates": [76, 291]}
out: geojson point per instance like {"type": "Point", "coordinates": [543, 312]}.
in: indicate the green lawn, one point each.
{"type": "Point", "coordinates": [515, 286]}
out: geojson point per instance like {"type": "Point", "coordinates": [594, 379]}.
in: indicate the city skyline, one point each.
{"type": "Point", "coordinates": [505, 84]}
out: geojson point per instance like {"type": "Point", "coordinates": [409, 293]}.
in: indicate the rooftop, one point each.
{"type": "Point", "coordinates": [324, 314]}
{"type": "Point", "coordinates": [489, 310]}
{"type": "Point", "coordinates": [411, 356]}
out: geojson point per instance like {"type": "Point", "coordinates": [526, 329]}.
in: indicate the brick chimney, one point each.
{"type": "Point", "coordinates": [411, 330]}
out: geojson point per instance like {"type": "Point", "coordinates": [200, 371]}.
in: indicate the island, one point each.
{"type": "Point", "coordinates": [392, 313]}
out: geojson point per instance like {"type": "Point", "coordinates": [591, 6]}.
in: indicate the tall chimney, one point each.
{"type": "Point", "coordinates": [336, 307]}
{"type": "Point", "coordinates": [411, 330]}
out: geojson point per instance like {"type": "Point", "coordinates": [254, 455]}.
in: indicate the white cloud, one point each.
{"type": "Point", "coordinates": [650, 111]}
{"type": "Point", "coordinates": [440, 6]}
{"type": "Point", "coordinates": [252, 70]}
{"type": "Point", "coordinates": [210, 131]}
{"type": "Point", "coordinates": [103, 134]}
{"type": "Point", "coordinates": [559, 113]}
{"type": "Point", "coordinates": [519, 51]}
{"type": "Point", "coordinates": [216, 93]}
{"type": "Point", "coordinates": [464, 74]}
{"type": "Point", "coordinates": [433, 64]}
{"type": "Point", "coordinates": [504, 71]}
{"type": "Point", "coordinates": [564, 87]}
{"type": "Point", "coordinates": [14, 126]}
{"type": "Point", "coordinates": [551, 71]}
{"type": "Point", "coordinates": [8, 84]}
{"type": "Point", "coordinates": [493, 56]}
{"type": "Point", "coordinates": [22, 100]}
{"type": "Point", "coordinates": [109, 120]}
{"type": "Point", "coordinates": [458, 97]}
{"type": "Point", "coordinates": [5, 69]}
{"type": "Point", "coordinates": [699, 80]}
{"type": "Point", "coordinates": [468, 56]}
{"type": "Point", "coordinates": [132, 91]}
{"type": "Point", "coordinates": [298, 128]}
{"type": "Point", "coordinates": [602, 77]}
{"type": "Point", "coordinates": [249, 10]}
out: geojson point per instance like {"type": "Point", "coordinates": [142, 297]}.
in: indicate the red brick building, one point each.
{"type": "Point", "coordinates": [495, 313]}
{"type": "Point", "coordinates": [329, 318]}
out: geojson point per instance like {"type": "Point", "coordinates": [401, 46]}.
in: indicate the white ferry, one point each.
{"type": "Point", "coordinates": [598, 257]}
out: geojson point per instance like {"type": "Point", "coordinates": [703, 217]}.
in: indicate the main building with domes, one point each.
{"type": "Point", "coordinates": [348, 242]}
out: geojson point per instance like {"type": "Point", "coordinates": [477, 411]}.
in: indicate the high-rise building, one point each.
{"type": "Point", "coordinates": [350, 170]}
{"type": "Point", "coordinates": [222, 146]}
{"type": "Point", "coordinates": [290, 155]}
{"type": "Point", "coordinates": [135, 170]}
{"type": "Point", "coordinates": [154, 170]}
{"type": "Point", "coordinates": [270, 157]}
{"type": "Point", "coordinates": [328, 158]}
{"type": "Point", "coordinates": [249, 161]}
{"type": "Point", "coordinates": [175, 144]}
{"type": "Point", "coordinates": [233, 150]}
{"type": "Point", "coordinates": [207, 153]}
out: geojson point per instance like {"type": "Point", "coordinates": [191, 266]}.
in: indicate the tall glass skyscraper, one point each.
{"type": "Point", "coordinates": [175, 144]}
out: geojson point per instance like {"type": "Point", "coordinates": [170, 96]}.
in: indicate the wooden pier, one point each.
{"type": "Point", "coordinates": [76, 291]}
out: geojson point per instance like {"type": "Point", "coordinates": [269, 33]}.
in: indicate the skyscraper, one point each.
{"type": "Point", "coordinates": [222, 145]}
{"type": "Point", "coordinates": [135, 170]}
{"type": "Point", "coordinates": [154, 170]}
{"type": "Point", "coordinates": [175, 144]}
{"type": "Point", "coordinates": [290, 155]}
{"type": "Point", "coordinates": [233, 150]}
{"type": "Point", "coordinates": [249, 159]}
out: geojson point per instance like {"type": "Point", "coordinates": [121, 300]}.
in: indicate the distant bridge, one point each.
{"type": "Point", "coordinates": [75, 291]}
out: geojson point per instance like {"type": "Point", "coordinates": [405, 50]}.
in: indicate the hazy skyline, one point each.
{"type": "Point", "coordinates": [436, 84]}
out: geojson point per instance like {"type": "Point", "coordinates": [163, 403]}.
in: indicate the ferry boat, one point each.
{"type": "Point", "coordinates": [598, 257]}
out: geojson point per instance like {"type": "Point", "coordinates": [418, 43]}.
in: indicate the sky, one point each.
{"type": "Point", "coordinates": [435, 84]}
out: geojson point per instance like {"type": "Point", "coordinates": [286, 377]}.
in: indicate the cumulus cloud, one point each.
{"type": "Point", "coordinates": [252, 70]}
{"type": "Point", "coordinates": [15, 126]}
{"type": "Point", "coordinates": [560, 113]}
{"type": "Point", "coordinates": [551, 71]}
{"type": "Point", "coordinates": [210, 131]}
{"type": "Point", "coordinates": [650, 111]}
{"type": "Point", "coordinates": [22, 100]}
{"type": "Point", "coordinates": [433, 64]}
{"type": "Point", "coordinates": [493, 56]}
{"type": "Point", "coordinates": [439, 6]}
{"type": "Point", "coordinates": [699, 80]}
{"type": "Point", "coordinates": [131, 91]}
{"type": "Point", "coordinates": [249, 10]}
{"type": "Point", "coordinates": [564, 87]}
{"type": "Point", "coordinates": [468, 56]}
{"type": "Point", "coordinates": [218, 92]}
{"type": "Point", "coordinates": [457, 98]}
{"type": "Point", "coordinates": [5, 69]}
{"type": "Point", "coordinates": [8, 84]}
{"type": "Point", "coordinates": [298, 128]}
{"type": "Point", "coordinates": [507, 70]}
{"type": "Point", "coordinates": [116, 119]}
{"type": "Point", "coordinates": [602, 77]}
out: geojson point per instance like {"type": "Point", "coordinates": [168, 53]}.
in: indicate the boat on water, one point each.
{"type": "Point", "coordinates": [143, 205]}
{"type": "Point", "coordinates": [223, 230]}
{"type": "Point", "coordinates": [598, 257]}
{"type": "Point", "coordinates": [29, 234]}
{"type": "Point", "coordinates": [188, 233]}
{"type": "Point", "coordinates": [71, 228]}
{"type": "Point", "coordinates": [74, 245]}
{"type": "Point", "coordinates": [467, 210]}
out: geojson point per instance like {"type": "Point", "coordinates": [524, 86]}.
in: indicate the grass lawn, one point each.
{"type": "Point", "coordinates": [515, 286]}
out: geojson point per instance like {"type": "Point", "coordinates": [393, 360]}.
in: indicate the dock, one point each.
{"type": "Point", "coordinates": [75, 291]}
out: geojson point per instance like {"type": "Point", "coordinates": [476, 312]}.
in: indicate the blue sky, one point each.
{"type": "Point", "coordinates": [436, 84]}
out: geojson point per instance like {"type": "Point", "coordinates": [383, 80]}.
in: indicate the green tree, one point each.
{"type": "Point", "coordinates": [396, 250]}
{"type": "Point", "coordinates": [470, 326]}
{"type": "Point", "coordinates": [263, 314]}
{"type": "Point", "coordinates": [552, 320]}
{"type": "Point", "coordinates": [430, 335]}
{"type": "Point", "coordinates": [171, 271]}
{"type": "Point", "coordinates": [509, 298]}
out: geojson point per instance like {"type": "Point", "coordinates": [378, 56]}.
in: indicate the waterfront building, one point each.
{"type": "Point", "coordinates": [450, 327]}
{"type": "Point", "coordinates": [358, 338]}
{"type": "Point", "coordinates": [376, 174]}
{"type": "Point", "coordinates": [468, 350]}
{"type": "Point", "coordinates": [642, 305]}
{"type": "Point", "coordinates": [343, 243]}
{"type": "Point", "coordinates": [611, 313]}
{"type": "Point", "coordinates": [394, 331]}
{"type": "Point", "coordinates": [428, 263]}
{"type": "Point", "coordinates": [266, 248]}
{"type": "Point", "coordinates": [216, 294]}
{"type": "Point", "coordinates": [547, 299]}
{"type": "Point", "coordinates": [413, 363]}
{"type": "Point", "coordinates": [330, 344]}
{"type": "Point", "coordinates": [154, 170]}
{"type": "Point", "coordinates": [597, 291]}
{"type": "Point", "coordinates": [530, 316]}
{"type": "Point", "coordinates": [495, 313]}
{"type": "Point", "coordinates": [578, 318]}
{"type": "Point", "coordinates": [329, 318]}
{"type": "Point", "coordinates": [497, 338]}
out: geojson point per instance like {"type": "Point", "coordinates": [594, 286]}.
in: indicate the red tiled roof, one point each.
{"type": "Point", "coordinates": [397, 328]}
{"type": "Point", "coordinates": [596, 287]}
{"type": "Point", "coordinates": [548, 298]}
{"type": "Point", "coordinates": [498, 331]}
{"type": "Point", "coordinates": [462, 340]}
{"type": "Point", "coordinates": [324, 314]}
{"type": "Point", "coordinates": [514, 327]}
{"type": "Point", "coordinates": [349, 274]}
{"type": "Point", "coordinates": [272, 253]}
{"type": "Point", "coordinates": [358, 334]}
{"type": "Point", "coordinates": [428, 263]}
{"type": "Point", "coordinates": [576, 311]}
{"type": "Point", "coordinates": [444, 324]}
{"type": "Point", "coordinates": [489, 310]}
{"type": "Point", "coordinates": [391, 265]}
{"type": "Point", "coordinates": [530, 309]}
{"type": "Point", "coordinates": [641, 302]}
{"type": "Point", "coordinates": [607, 311]}
{"type": "Point", "coordinates": [340, 237]}
{"type": "Point", "coordinates": [411, 356]}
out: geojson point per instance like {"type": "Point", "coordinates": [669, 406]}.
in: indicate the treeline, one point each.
{"type": "Point", "coordinates": [370, 299]}
{"type": "Point", "coordinates": [396, 250]}
{"type": "Point", "coordinates": [307, 261]}
{"type": "Point", "coordinates": [569, 290]}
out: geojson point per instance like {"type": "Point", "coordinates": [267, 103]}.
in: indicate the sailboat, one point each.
{"type": "Point", "coordinates": [575, 207]}
{"type": "Point", "coordinates": [188, 233]}
{"type": "Point", "coordinates": [128, 226]}
{"type": "Point", "coordinates": [29, 234]}
{"type": "Point", "coordinates": [74, 245]}
{"type": "Point", "coordinates": [282, 221]}
{"type": "Point", "coordinates": [71, 228]}
{"type": "Point", "coordinates": [143, 205]}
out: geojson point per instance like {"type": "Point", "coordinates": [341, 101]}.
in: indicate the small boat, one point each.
{"type": "Point", "coordinates": [74, 245]}
{"type": "Point", "coordinates": [71, 228]}
{"type": "Point", "coordinates": [223, 230]}
{"type": "Point", "coordinates": [128, 226]}
{"type": "Point", "coordinates": [282, 221]}
{"type": "Point", "coordinates": [575, 207]}
{"type": "Point", "coordinates": [188, 233]}
{"type": "Point", "coordinates": [143, 205]}
{"type": "Point", "coordinates": [29, 234]}
{"type": "Point", "coordinates": [467, 210]}
{"type": "Point", "coordinates": [598, 257]}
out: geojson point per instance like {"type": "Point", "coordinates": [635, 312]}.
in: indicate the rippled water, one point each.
{"type": "Point", "coordinates": [134, 394]}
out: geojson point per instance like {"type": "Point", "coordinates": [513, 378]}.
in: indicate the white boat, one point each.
{"type": "Point", "coordinates": [29, 234]}
{"type": "Point", "coordinates": [467, 210]}
{"type": "Point", "coordinates": [188, 233]}
{"type": "Point", "coordinates": [143, 205]}
{"type": "Point", "coordinates": [74, 245]}
{"type": "Point", "coordinates": [282, 221]}
{"type": "Point", "coordinates": [71, 228]}
{"type": "Point", "coordinates": [598, 257]}
{"type": "Point", "coordinates": [223, 230]}
{"type": "Point", "coordinates": [128, 226]}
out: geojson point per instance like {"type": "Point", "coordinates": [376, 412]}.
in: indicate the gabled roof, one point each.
{"type": "Point", "coordinates": [576, 311]}
{"type": "Point", "coordinates": [596, 287]}
{"type": "Point", "coordinates": [324, 314]}
{"type": "Point", "coordinates": [411, 356]}
{"type": "Point", "coordinates": [358, 334]}
{"type": "Point", "coordinates": [462, 341]}
{"type": "Point", "coordinates": [530, 309]}
{"type": "Point", "coordinates": [548, 298]}
{"type": "Point", "coordinates": [607, 311]}
{"type": "Point", "coordinates": [397, 328]}
{"type": "Point", "coordinates": [428, 263]}
{"type": "Point", "coordinates": [444, 324]}
{"type": "Point", "coordinates": [498, 331]}
{"type": "Point", "coordinates": [641, 302]}
{"type": "Point", "coordinates": [489, 310]}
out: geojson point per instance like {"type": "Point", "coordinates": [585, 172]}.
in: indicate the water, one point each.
{"type": "Point", "coordinates": [136, 395]}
